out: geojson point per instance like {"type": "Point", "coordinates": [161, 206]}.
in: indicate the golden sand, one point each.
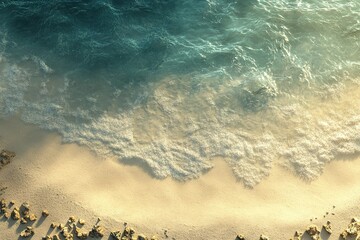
{"type": "Point", "coordinates": [70, 180]}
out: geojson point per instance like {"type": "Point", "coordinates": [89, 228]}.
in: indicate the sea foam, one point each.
{"type": "Point", "coordinates": [177, 133]}
{"type": "Point", "coordinates": [257, 84]}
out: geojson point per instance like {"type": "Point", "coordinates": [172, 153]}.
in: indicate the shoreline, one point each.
{"type": "Point", "coordinates": [71, 180]}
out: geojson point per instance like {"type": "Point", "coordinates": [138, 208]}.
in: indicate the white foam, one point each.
{"type": "Point", "coordinates": [177, 132]}
{"type": "Point", "coordinates": [300, 122]}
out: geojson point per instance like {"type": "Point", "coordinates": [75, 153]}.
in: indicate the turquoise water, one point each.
{"type": "Point", "coordinates": [174, 84]}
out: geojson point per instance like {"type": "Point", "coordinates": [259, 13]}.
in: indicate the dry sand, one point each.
{"type": "Point", "coordinates": [70, 180]}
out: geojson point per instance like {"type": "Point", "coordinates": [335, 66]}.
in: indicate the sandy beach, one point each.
{"type": "Point", "coordinates": [180, 120]}
{"type": "Point", "coordinates": [69, 180]}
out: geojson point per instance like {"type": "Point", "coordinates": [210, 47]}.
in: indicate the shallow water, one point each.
{"type": "Point", "coordinates": [174, 84]}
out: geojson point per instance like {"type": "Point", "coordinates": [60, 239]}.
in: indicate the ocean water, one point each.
{"type": "Point", "coordinates": [174, 84]}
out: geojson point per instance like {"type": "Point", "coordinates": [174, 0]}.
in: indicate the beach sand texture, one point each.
{"type": "Point", "coordinates": [70, 180]}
